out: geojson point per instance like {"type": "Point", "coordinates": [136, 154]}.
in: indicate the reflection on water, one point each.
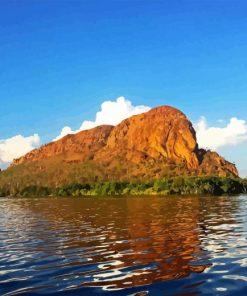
{"type": "Point", "coordinates": [123, 246]}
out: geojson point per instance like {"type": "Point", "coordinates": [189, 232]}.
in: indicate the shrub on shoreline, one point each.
{"type": "Point", "coordinates": [210, 185]}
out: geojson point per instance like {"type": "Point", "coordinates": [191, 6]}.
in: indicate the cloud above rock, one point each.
{"type": "Point", "coordinates": [111, 112]}
{"type": "Point", "coordinates": [15, 147]}
{"type": "Point", "coordinates": [210, 137]}
{"type": "Point", "coordinates": [234, 132]}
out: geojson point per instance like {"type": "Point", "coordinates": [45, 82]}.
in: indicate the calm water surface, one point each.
{"type": "Point", "coordinates": [124, 246]}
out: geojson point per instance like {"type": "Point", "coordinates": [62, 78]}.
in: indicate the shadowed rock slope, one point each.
{"type": "Point", "coordinates": [156, 144]}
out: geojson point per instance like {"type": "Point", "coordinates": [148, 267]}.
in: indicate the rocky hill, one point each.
{"type": "Point", "coordinates": [155, 144]}
{"type": "Point", "coordinates": [78, 147]}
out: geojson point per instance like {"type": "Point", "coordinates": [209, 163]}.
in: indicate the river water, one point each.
{"type": "Point", "coordinates": [123, 246]}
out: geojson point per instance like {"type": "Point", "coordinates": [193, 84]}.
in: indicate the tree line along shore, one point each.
{"type": "Point", "coordinates": [209, 185]}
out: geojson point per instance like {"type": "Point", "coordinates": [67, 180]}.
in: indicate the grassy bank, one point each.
{"type": "Point", "coordinates": [178, 185]}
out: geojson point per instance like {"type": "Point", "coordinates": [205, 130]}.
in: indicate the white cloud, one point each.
{"type": "Point", "coordinates": [64, 132]}
{"type": "Point", "coordinates": [112, 112]}
{"type": "Point", "coordinates": [16, 147]}
{"type": "Point", "coordinates": [233, 133]}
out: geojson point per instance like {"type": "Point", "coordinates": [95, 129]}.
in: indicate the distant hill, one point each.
{"type": "Point", "coordinates": [153, 145]}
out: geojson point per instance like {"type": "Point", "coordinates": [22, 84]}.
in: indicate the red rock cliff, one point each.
{"type": "Point", "coordinates": [163, 135]}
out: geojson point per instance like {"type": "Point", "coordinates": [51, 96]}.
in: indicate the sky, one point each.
{"type": "Point", "coordinates": [60, 60]}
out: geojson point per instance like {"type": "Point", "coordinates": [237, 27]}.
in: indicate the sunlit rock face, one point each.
{"type": "Point", "coordinates": [159, 143]}
{"type": "Point", "coordinates": [78, 146]}
{"type": "Point", "coordinates": [162, 132]}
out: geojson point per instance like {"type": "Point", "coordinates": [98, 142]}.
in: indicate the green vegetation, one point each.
{"type": "Point", "coordinates": [167, 186]}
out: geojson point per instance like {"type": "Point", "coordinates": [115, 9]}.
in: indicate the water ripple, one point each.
{"type": "Point", "coordinates": [123, 246]}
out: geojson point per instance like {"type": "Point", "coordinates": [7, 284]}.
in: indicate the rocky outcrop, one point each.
{"type": "Point", "coordinates": [214, 164]}
{"type": "Point", "coordinates": [163, 132]}
{"type": "Point", "coordinates": [159, 142]}
{"type": "Point", "coordinates": [80, 146]}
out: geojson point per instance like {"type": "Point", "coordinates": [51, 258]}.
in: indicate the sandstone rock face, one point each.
{"type": "Point", "coordinates": [158, 143]}
{"type": "Point", "coordinates": [214, 164]}
{"type": "Point", "coordinates": [79, 146]}
{"type": "Point", "coordinates": [161, 132]}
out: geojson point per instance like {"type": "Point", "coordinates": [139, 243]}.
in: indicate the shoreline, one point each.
{"type": "Point", "coordinates": [206, 185]}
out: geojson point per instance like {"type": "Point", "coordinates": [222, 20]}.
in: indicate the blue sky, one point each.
{"type": "Point", "coordinates": [61, 59]}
